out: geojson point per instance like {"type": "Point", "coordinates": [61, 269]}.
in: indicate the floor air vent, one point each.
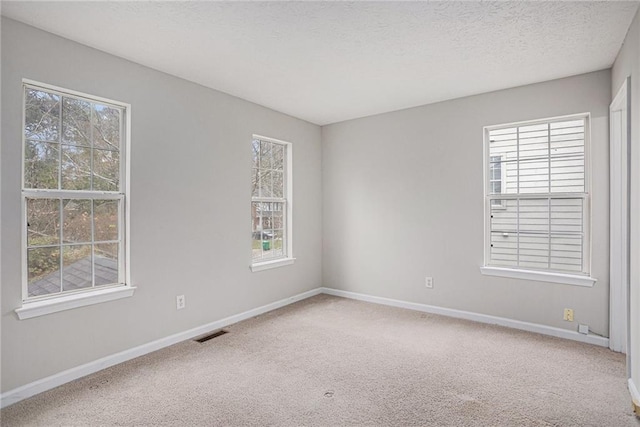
{"type": "Point", "coordinates": [211, 336]}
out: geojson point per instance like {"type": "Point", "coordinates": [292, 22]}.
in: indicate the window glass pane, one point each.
{"type": "Point", "coordinates": [566, 252]}
{"type": "Point", "coordinates": [255, 216]}
{"type": "Point", "coordinates": [255, 182]}
{"type": "Point", "coordinates": [536, 130]}
{"type": "Point", "coordinates": [549, 236]}
{"type": "Point", "coordinates": [105, 214]}
{"type": "Point", "coordinates": [278, 156]}
{"type": "Point", "coordinates": [76, 167]}
{"type": "Point", "coordinates": [567, 174]}
{"type": "Point", "coordinates": [504, 215]}
{"type": "Point", "coordinates": [106, 170]}
{"type": "Point", "coordinates": [495, 175]}
{"type": "Point", "coordinates": [42, 115]}
{"type": "Point", "coordinates": [77, 220]}
{"type": "Point", "coordinates": [504, 249]}
{"type": "Point", "coordinates": [278, 220]}
{"type": "Point", "coordinates": [267, 215]}
{"type": "Point", "coordinates": [496, 171]}
{"type": "Point", "coordinates": [268, 233]}
{"type": "Point", "coordinates": [76, 267]}
{"type": "Point", "coordinates": [257, 209]}
{"type": "Point", "coordinates": [105, 263]}
{"type": "Point", "coordinates": [106, 129]}
{"type": "Point", "coordinates": [43, 222]}
{"type": "Point", "coordinates": [41, 160]}
{"type": "Point", "coordinates": [256, 247]}
{"type": "Point", "coordinates": [278, 184]}
{"type": "Point", "coordinates": [503, 144]}
{"type": "Point", "coordinates": [567, 156]}
{"type": "Point", "coordinates": [534, 176]}
{"type": "Point", "coordinates": [266, 183]}
{"type": "Point", "coordinates": [43, 266]}
{"type": "Point", "coordinates": [534, 144]}
{"type": "Point", "coordinates": [76, 121]}
{"type": "Point", "coordinates": [278, 243]}
{"type": "Point", "coordinates": [567, 141]}
{"type": "Point", "coordinates": [533, 250]}
{"type": "Point", "coordinates": [255, 153]}
{"type": "Point", "coordinates": [566, 216]}
{"type": "Point", "coordinates": [533, 215]}
{"type": "Point", "coordinates": [265, 155]}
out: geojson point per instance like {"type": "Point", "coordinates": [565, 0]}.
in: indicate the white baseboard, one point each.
{"type": "Point", "coordinates": [39, 386]}
{"type": "Point", "coordinates": [42, 385]}
{"type": "Point", "coordinates": [635, 395]}
{"type": "Point", "coordinates": [476, 317]}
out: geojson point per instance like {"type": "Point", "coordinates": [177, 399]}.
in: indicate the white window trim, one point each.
{"type": "Point", "coordinates": [268, 265]}
{"type": "Point", "coordinates": [40, 306]}
{"type": "Point", "coordinates": [539, 276]}
{"type": "Point", "coordinates": [288, 259]}
{"type": "Point", "coordinates": [68, 301]}
{"type": "Point", "coordinates": [551, 276]}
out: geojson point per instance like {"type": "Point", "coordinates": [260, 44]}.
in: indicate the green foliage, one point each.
{"type": "Point", "coordinates": [43, 261]}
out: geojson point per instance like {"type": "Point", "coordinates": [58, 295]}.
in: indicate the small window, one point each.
{"type": "Point", "coordinates": [496, 179]}
{"type": "Point", "coordinates": [270, 201]}
{"type": "Point", "coordinates": [73, 193]}
{"type": "Point", "coordinates": [536, 193]}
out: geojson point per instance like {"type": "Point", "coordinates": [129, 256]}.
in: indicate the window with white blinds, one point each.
{"type": "Point", "coordinates": [536, 193]}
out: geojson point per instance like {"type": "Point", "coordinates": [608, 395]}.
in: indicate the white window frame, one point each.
{"type": "Point", "coordinates": [287, 258]}
{"type": "Point", "coordinates": [553, 276]}
{"type": "Point", "coordinates": [46, 304]}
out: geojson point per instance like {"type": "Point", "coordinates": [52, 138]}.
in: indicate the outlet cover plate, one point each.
{"type": "Point", "coordinates": [180, 302]}
{"type": "Point", "coordinates": [568, 314]}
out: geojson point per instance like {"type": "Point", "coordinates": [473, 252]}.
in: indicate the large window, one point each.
{"type": "Point", "coordinates": [537, 195]}
{"type": "Point", "coordinates": [270, 201]}
{"type": "Point", "coordinates": [73, 193]}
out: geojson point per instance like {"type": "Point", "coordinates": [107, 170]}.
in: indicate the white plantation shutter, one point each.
{"type": "Point", "coordinates": [537, 217]}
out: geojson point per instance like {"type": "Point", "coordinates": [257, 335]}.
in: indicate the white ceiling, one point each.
{"type": "Point", "coordinates": [332, 61]}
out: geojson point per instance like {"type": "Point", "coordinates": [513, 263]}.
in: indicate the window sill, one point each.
{"type": "Point", "coordinates": [271, 264]}
{"type": "Point", "coordinates": [540, 276]}
{"type": "Point", "coordinates": [67, 302]}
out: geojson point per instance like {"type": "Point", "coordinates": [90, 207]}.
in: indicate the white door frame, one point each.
{"type": "Point", "coordinates": [619, 146]}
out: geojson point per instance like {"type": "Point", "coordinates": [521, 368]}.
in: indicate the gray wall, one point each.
{"type": "Point", "coordinates": [403, 199]}
{"type": "Point", "coordinates": [628, 64]}
{"type": "Point", "coordinates": [190, 207]}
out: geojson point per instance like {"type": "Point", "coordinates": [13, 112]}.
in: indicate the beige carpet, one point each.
{"type": "Point", "coordinates": [330, 361]}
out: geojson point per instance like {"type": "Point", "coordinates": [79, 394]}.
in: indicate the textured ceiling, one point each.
{"type": "Point", "coordinates": [331, 61]}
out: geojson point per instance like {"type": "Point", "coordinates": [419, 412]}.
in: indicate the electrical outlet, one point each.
{"type": "Point", "coordinates": [568, 314]}
{"type": "Point", "coordinates": [428, 282]}
{"type": "Point", "coordinates": [180, 302]}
